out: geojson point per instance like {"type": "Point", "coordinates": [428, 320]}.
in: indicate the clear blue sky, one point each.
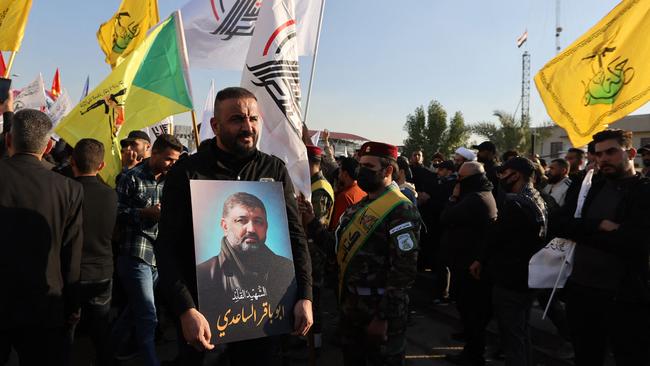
{"type": "Point", "coordinates": [378, 60]}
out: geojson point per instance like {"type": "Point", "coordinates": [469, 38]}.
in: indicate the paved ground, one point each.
{"type": "Point", "coordinates": [428, 338]}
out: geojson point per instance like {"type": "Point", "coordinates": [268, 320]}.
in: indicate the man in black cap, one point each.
{"type": "Point", "coordinates": [645, 155]}
{"type": "Point", "coordinates": [519, 232]}
{"type": "Point", "coordinates": [135, 148]}
{"type": "Point", "coordinates": [487, 153]}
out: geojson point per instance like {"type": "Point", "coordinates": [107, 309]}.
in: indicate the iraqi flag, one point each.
{"type": "Point", "coordinates": [522, 39]}
{"type": "Point", "coordinates": [219, 32]}
{"type": "Point", "coordinates": [272, 74]}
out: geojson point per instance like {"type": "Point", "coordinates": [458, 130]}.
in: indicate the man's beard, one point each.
{"type": "Point", "coordinates": [552, 179]}
{"type": "Point", "coordinates": [249, 248]}
{"type": "Point", "coordinates": [618, 172]}
{"type": "Point", "coordinates": [233, 144]}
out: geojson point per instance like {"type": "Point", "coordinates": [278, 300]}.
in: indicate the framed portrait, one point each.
{"type": "Point", "coordinates": [244, 264]}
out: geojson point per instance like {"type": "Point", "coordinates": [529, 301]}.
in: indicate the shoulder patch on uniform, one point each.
{"type": "Point", "coordinates": [405, 242]}
{"type": "Point", "coordinates": [399, 227]}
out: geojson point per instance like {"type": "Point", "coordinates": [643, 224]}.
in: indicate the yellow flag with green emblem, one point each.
{"type": "Point", "coordinates": [13, 19]}
{"type": "Point", "coordinates": [603, 76]}
{"type": "Point", "coordinates": [151, 84]}
{"type": "Point", "coordinates": [121, 34]}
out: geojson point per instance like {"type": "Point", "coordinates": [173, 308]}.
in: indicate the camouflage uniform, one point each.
{"type": "Point", "coordinates": [322, 203]}
{"type": "Point", "coordinates": [385, 269]}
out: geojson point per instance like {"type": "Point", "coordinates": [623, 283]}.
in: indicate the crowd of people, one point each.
{"type": "Point", "coordinates": [474, 220]}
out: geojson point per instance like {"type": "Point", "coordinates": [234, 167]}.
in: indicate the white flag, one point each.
{"type": "Point", "coordinates": [32, 96]}
{"type": "Point", "coordinates": [208, 111]}
{"type": "Point", "coordinates": [164, 126]}
{"type": "Point", "coordinates": [60, 108]}
{"type": "Point", "coordinates": [272, 74]}
{"type": "Point", "coordinates": [315, 138]}
{"type": "Point", "coordinates": [219, 32]}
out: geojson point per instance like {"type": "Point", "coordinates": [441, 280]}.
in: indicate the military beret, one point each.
{"type": "Point", "coordinates": [314, 151]}
{"type": "Point", "coordinates": [379, 149]}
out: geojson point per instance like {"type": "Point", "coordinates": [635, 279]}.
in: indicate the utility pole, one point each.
{"type": "Point", "coordinates": [525, 86]}
{"type": "Point", "coordinates": [525, 94]}
{"type": "Point", "coordinates": [558, 28]}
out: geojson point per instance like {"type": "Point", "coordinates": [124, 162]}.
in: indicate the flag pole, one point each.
{"type": "Point", "coordinates": [11, 62]}
{"type": "Point", "coordinates": [196, 129]}
{"type": "Point", "coordinates": [313, 64]}
{"type": "Point", "coordinates": [186, 70]}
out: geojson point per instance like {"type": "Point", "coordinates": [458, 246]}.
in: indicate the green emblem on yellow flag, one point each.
{"type": "Point", "coordinates": [603, 76]}
{"type": "Point", "coordinates": [148, 86]}
{"type": "Point", "coordinates": [121, 34]}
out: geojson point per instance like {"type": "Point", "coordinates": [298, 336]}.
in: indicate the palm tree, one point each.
{"type": "Point", "coordinates": [508, 134]}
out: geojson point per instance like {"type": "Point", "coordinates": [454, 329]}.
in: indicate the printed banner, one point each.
{"type": "Point", "coordinates": [244, 266]}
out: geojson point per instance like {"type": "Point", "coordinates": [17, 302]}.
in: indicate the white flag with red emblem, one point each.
{"type": "Point", "coordinates": [272, 74]}
{"type": "Point", "coordinates": [219, 32]}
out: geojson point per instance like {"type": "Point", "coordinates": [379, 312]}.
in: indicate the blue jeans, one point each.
{"type": "Point", "coordinates": [138, 279]}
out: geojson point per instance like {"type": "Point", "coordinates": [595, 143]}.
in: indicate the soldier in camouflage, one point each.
{"type": "Point", "coordinates": [322, 200]}
{"type": "Point", "coordinates": [376, 245]}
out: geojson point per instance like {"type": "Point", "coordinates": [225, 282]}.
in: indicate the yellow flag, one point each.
{"type": "Point", "coordinates": [151, 84]}
{"type": "Point", "coordinates": [603, 76]}
{"type": "Point", "coordinates": [13, 18]}
{"type": "Point", "coordinates": [121, 34]}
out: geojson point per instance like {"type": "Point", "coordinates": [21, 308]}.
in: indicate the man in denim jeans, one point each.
{"type": "Point", "coordinates": [139, 192]}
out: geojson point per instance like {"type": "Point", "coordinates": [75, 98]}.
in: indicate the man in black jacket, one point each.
{"type": "Point", "coordinates": [99, 215]}
{"type": "Point", "coordinates": [470, 212]}
{"type": "Point", "coordinates": [608, 300]}
{"type": "Point", "coordinates": [230, 156]}
{"type": "Point", "coordinates": [40, 224]}
{"type": "Point", "coordinates": [519, 233]}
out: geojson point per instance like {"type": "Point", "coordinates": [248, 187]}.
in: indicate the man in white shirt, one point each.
{"type": "Point", "coordinates": [558, 180]}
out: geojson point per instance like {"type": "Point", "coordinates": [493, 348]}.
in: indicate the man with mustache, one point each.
{"type": "Point", "coordinates": [607, 294]}
{"type": "Point", "coordinates": [230, 155]}
{"type": "Point", "coordinates": [245, 262]}
{"type": "Point", "coordinates": [558, 180]}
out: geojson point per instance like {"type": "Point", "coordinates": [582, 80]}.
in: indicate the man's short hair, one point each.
{"type": "Point", "coordinates": [167, 141]}
{"type": "Point", "coordinates": [591, 147]}
{"type": "Point", "coordinates": [385, 162]}
{"type": "Point", "coordinates": [624, 138]}
{"type": "Point", "coordinates": [88, 154]}
{"type": "Point", "coordinates": [350, 166]}
{"type": "Point", "coordinates": [242, 199]}
{"type": "Point", "coordinates": [509, 154]}
{"type": "Point", "coordinates": [30, 131]}
{"type": "Point", "coordinates": [579, 152]}
{"type": "Point", "coordinates": [562, 163]}
{"type": "Point", "coordinates": [233, 92]}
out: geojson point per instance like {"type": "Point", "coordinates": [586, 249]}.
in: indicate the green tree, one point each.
{"type": "Point", "coordinates": [436, 128]}
{"type": "Point", "coordinates": [508, 134]}
{"type": "Point", "coordinates": [415, 127]}
{"type": "Point", "coordinates": [434, 133]}
{"type": "Point", "coordinates": [457, 134]}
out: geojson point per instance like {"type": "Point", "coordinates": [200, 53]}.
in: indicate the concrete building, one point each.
{"type": "Point", "coordinates": [557, 144]}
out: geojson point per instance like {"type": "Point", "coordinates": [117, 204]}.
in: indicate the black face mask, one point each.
{"type": "Point", "coordinates": [646, 162]}
{"type": "Point", "coordinates": [505, 185]}
{"type": "Point", "coordinates": [369, 180]}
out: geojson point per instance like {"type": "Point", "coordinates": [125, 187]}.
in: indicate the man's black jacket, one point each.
{"type": "Point", "coordinates": [174, 247]}
{"type": "Point", "coordinates": [466, 222]}
{"type": "Point", "coordinates": [99, 215]}
{"type": "Point", "coordinates": [630, 243]}
{"type": "Point", "coordinates": [519, 232]}
{"type": "Point", "coordinates": [41, 239]}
